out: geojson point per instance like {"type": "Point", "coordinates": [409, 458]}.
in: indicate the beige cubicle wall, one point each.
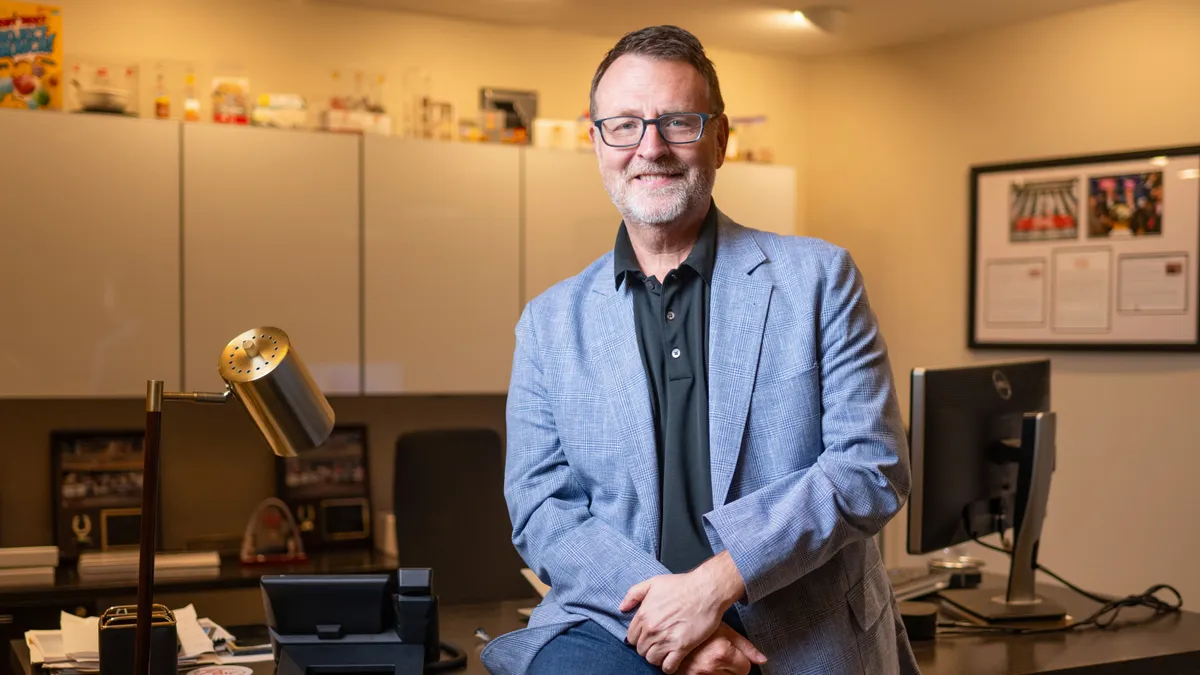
{"type": "Point", "coordinates": [89, 255]}
{"type": "Point", "coordinates": [271, 238]}
{"type": "Point", "coordinates": [136, 249]}
{"type": "Point", "coordinates": [569, 219]}
{"type": "Point", "coordinates": [441, 234]}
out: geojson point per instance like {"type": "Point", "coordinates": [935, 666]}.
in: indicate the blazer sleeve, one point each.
{"type": "Point", "coordinates": [589, 565]}
{"type": "Point", "coordinates": [860, 480]}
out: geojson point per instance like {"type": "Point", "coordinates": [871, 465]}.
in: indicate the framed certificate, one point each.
{"type": "Point", "coordinates": [1086, 253]}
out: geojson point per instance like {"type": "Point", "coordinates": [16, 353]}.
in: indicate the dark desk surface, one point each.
{"type": "Point", "coordinates": [69, 586]}
{"type": "Point", "coordinates": [1168, 645]}
{"type": "Point", "coordinates": [457, 626]}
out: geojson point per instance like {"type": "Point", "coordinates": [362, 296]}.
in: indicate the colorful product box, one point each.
{"type": "Point", "coordinates": [31, 70]}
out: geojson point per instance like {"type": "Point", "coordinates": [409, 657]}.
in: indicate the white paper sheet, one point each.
{"type": "Point", "coordinates": [1152, 283]}
{"type": "Point", "coordinates": [1015, 292]}
{"type": "Point", "coordinates": [80, 636]}
{"type": "Point", "coordinates": [1082, 281]}
{"type": "Point", "coordinates": [193, 641]}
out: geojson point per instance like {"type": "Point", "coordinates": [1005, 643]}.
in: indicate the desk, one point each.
{"type": "Point", "coordinates": [457, 626]}
{"type": "Point", "coordinates": [25, 608]}
{"type": "Point", "coordinates": [1169, 645]}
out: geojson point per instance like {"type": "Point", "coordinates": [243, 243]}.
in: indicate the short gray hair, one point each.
{"type": "Point", "coordinates": [668, 43]}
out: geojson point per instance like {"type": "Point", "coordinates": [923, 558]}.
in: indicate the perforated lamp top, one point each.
{"type": "Point", "coordinates": [271, 381]}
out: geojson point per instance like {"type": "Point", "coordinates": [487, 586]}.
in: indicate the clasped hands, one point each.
{"type": "Point", "coordinates": [678, 621]}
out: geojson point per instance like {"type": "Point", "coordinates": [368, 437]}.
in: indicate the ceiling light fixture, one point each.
{"type": "Point", "coordinates": [829, 18]}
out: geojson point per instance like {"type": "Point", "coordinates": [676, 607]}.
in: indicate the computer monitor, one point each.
{"type": "Point", "coordinates": [981, 439]}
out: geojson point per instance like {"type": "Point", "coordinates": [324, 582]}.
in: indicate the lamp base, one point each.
{"type": "Point", "coordinates": [118, 629]}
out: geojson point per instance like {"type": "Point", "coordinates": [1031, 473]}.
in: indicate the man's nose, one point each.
{"type": "Point", "coordinates": [652, 146]}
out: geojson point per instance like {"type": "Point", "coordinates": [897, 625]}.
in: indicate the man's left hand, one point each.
{"type": "Point", "coordinates": [677, 612]}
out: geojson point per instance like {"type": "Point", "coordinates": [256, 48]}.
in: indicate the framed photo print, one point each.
{"type": "Point", "coordinates": [97, 491]}
{"type": "Point", "coordinates": [328, 490]}
{"type": "Point", "coordinates": [1089, 253]}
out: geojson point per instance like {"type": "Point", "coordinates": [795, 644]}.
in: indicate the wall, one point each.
{"type": "Point", "coordinates": [891, 137]}
{"type": "Point", "coordinates": [293, 45]}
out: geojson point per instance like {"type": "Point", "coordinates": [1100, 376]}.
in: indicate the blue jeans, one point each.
{"type": "Point", "coordinates": [588, 649]}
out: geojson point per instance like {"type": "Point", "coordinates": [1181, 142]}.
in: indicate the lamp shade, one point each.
{"type": "Point", "coordinates": [268, 377]}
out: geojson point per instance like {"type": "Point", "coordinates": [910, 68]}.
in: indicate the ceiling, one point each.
{"type": "Point", "coordinates": [759, 26]}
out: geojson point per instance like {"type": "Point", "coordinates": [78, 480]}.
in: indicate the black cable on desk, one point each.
{"type": "Point", "coordinates": [457, 660]}
{"type": "Point", "coordinates": [1148, 598]}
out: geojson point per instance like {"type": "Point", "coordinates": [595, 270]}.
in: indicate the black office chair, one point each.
{"type": "Point", "coordinates": [451, 515]}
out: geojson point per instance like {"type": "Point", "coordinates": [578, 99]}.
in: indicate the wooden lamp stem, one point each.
{"type": "Point", "coordinates": [145, 595]}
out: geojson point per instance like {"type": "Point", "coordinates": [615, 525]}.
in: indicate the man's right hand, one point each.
{"type": "Point", "coordinates": [726, 652]}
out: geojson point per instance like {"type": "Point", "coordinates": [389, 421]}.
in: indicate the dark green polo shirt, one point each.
{"type": "Point", "coordinates": [671, 316]}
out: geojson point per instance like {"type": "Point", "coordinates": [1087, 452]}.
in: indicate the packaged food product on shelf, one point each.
{"type": "Point", "coordinates": [31, 71]}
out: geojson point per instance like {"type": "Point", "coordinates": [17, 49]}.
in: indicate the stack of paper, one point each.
{"type": "Point", "coordinates": [108, 565]}
{"type": "Point", "coordinates": [75, 647]}
{"type": "Point", "coordinates": [28, 565]}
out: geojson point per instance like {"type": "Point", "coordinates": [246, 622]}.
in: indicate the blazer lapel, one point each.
{"type": "Point", "coordinates": [627, 389]}
{"type": "Point", "coordinates": [736, 319]}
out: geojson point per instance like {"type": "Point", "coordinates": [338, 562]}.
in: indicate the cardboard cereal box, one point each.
{"type": "Point", "coordinates": [31, 71]}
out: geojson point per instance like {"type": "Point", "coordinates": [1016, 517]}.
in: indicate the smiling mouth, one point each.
{"type": "Point", "coordinates": [655, 177]}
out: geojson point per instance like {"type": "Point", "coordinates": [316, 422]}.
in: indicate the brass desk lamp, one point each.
{"type": "Point", "coordinates": [262, 370]}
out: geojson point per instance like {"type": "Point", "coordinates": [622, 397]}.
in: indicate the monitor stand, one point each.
{"type": "Point", "coordinates": [1020, 602]}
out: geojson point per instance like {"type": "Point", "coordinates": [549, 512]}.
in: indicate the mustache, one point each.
{"type": "Point", "coordinates": [639, 168]}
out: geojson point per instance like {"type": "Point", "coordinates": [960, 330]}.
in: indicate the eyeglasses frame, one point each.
{"type": "Point", "coordinates": [646, 123]}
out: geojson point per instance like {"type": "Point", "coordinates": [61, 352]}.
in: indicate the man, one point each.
{"type": "Point", "coordinates": [703, 433]}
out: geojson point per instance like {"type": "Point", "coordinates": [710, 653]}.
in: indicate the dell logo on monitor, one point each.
{"type": "Point", "coordinates": [1002, 385]}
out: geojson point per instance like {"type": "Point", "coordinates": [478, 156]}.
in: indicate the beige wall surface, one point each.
{"type": "Point", "coordinates": [891, 138]}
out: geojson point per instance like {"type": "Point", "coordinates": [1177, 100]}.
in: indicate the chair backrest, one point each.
{"type": "Point", "coordinates": [451, 515]}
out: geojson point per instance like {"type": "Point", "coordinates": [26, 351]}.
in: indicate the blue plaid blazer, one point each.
{"type": "Point", "coordinates": [808, 450]}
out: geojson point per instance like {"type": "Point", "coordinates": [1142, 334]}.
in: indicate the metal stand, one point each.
{"type": "Point", "coordinates": [1036, 459]}
{"type": "Point", "coordinates": [150, 471]}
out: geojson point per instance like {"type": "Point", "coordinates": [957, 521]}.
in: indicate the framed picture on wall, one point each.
{"type": "Point", "coordinates": [1093, 252]}
{"type": "Point", "coordinates": [97, 491]}
{"type": "Point", "coordinates": [328, 489]}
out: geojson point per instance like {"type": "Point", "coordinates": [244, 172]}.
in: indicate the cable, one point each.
{"type": "Point", "coordinates": [1148, 598]}
{"type": "Point", "coordinates": [457, 660]}
{"type": "Point", "coordinates": [1092, 597]}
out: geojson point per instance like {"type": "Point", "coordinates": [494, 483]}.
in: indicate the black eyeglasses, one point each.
{"type": "Point", "coordinates": [626, 131]}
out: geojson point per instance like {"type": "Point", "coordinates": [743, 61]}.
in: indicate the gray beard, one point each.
{"type": "Point", "coordinates": [666, 205]}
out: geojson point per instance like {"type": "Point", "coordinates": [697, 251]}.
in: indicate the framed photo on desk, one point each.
{"type": "Point", "coordinates": [97, 491]}
{"type": "Point", "coordinates": [1086, 253]}
{"type": "Point", "coordinates": [328, 490]}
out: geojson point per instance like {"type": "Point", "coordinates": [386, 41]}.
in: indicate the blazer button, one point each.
{"type": "Point", "coordinates": [675, 353]}
{"type": "Point", "coordinates": [670, 315]}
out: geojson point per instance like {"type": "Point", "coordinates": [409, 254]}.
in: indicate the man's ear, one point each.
{"type": "Point", "coordinates": [722, 130]}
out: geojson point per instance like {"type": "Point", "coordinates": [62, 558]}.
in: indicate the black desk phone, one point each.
{"type": "Point", "coordinates": [356, 624]}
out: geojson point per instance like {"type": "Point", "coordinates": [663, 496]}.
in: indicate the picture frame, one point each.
{"type": "Point", "coordinates": [1087, 253]}
{"type": "Point", "coordinates": [328, 489]}
{"type": "Point", "coordinates": [96, 489]}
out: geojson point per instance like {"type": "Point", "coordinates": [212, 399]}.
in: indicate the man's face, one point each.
{"type": "Point", "coordinates": [655, 183]}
